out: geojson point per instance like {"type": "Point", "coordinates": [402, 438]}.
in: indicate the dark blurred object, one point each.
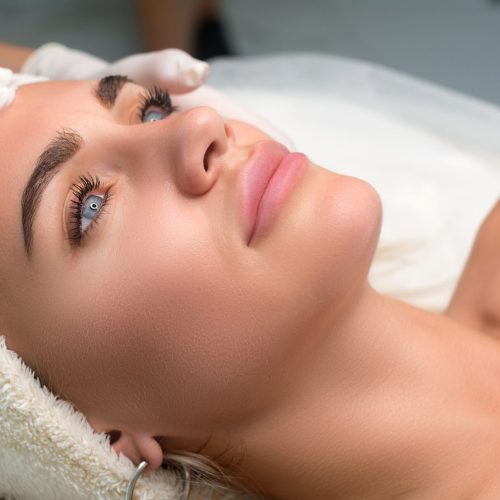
{"type": "Point", "coordinates": [211, 39]}
{"type": "Point", "coordinates": [190, 25]}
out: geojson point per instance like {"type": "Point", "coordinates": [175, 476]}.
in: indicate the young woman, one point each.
{"type": "Point", "coordinates": [192, 285]}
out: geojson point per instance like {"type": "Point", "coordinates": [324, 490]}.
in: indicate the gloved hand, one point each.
{"type": "Point", "coordinates": [172, 69]}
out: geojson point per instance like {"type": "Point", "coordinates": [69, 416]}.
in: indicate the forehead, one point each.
{"type": "Point", "coordinates": [26, 126]}
{"type": "Point", "coordinates": [32, 120]}
{"type": "Point", "coordinates": [38, 109]}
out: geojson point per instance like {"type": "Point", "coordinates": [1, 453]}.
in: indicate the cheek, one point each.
{"type": "Point", "coordinates": [169, 313]}
{"type": "Point", "coordinates": [204, 326]}
{"type": "Point", "coordinates": [164, 322]}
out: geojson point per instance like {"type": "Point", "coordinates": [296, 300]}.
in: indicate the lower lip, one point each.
{"type": "Point", "coordinates": [278, 191]}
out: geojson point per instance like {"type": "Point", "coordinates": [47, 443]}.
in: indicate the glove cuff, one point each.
{"type": "Point", "coordinates": [58, 62]}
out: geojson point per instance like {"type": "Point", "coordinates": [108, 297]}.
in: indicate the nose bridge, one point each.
{"type": "Point", "coordinates": [187, 147]}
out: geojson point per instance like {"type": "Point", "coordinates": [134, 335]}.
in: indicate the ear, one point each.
{"type": "Point", "coordinates": [135, 445]}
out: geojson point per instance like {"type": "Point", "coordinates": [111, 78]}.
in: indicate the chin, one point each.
{"type": "Point", "coordinates": [340, 228]}
{"type": "Point", "coordinates": [355, 210]}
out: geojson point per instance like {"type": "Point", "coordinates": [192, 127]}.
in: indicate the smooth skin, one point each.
{"type": "Point", "coordinates": [279, 356]}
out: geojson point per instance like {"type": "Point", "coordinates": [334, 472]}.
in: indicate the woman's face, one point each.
{"type": "Point", "coordinates": [146, 306]}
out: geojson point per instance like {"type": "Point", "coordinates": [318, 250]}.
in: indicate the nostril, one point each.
{"type": "Point", "coordinates": [207, 154]}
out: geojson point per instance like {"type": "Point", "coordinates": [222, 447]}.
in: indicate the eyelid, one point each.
{"type": "Point", "coordinates": [155, 97]}
{"type": "Point", "coordinates": [135, 108]}
{"type": "Point", "coordinates": [104, 189]}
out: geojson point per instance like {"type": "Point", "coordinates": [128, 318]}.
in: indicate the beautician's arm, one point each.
{"type": "Point", "coordinates": [172, 23]}
{"type": "Point", "coordinates": [476, 301]}
{"type": "Point", "coordinates": [13, 56]}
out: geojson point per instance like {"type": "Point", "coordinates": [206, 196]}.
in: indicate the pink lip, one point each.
{"type": "Point", "coordinates": [268, 178]}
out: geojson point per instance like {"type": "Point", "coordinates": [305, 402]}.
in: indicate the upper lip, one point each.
{"type": "Point", "coordinates": [257, 173]}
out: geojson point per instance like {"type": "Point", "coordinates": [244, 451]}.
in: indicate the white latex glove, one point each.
{"type": "Point", "coordinates": [172, 69]}
{"type": "Point", "coordinates": [9, 82]}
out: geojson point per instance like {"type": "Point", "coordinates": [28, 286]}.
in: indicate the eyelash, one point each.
{"type": "Point", "coordinates": [85, 185]}
{"type": "Point", "coordinates": [158, 97]}
{"type": "Point", "coordinates": [154, 96]}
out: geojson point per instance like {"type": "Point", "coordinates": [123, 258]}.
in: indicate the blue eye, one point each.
{"type": "Point", "coordinates": [154, 115]}
{"type": "Point", "coordinates": [85, 209]}
{"type": "Point", "coordinates": [156, 105]}
{"type": "Point", "coordinates": [90, 210]}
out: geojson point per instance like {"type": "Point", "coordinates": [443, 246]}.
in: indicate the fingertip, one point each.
{"type": "Point", "coordinates": [195, 75]}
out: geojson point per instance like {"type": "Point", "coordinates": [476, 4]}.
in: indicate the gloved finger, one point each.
{"type": "Point", "coordinates": [228, 108]}
{"type": "Point", "coordinates": [172, 69]}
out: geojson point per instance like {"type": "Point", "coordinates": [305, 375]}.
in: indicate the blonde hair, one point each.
{"type": "Point", "coordinates": [207, 472]}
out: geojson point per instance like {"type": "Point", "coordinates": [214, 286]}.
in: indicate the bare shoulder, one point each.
{"type": "Point", "coordinates": [476, 300]}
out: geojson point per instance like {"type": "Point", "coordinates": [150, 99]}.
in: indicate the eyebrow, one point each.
{"type": "Point", "coordinates": [59, 150]}
{"type": "Point", "coordinates": [108, 89]}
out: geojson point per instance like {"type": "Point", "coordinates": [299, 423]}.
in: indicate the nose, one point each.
{"type": "Point", "coordinates": [199, 143]}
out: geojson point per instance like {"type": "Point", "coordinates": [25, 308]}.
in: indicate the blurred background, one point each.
{"type": "Point", "coordinates": [455, 43]}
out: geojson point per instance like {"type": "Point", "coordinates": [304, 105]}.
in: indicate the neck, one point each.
{"type": "Point", "coordinates": [393, 401]}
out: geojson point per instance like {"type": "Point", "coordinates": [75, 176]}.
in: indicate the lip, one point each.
{"type": "Point", "coordinates": [268, 179]}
